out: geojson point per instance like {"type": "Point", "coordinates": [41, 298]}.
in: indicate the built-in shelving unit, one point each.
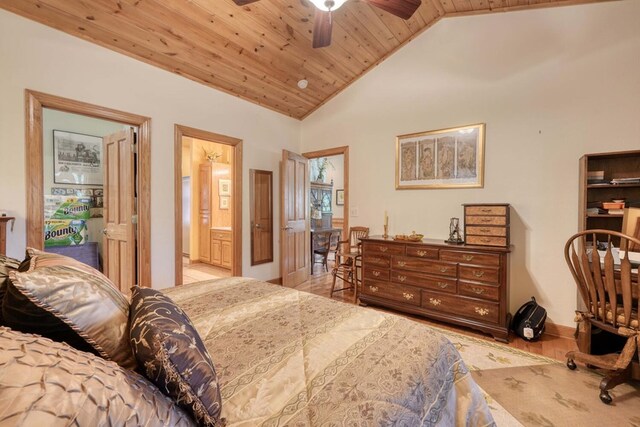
{"type": "Point", "coordinates": [625, 164]}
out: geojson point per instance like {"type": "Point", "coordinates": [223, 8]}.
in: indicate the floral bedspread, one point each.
{"type": "Point", "coordinates": [291, 358]}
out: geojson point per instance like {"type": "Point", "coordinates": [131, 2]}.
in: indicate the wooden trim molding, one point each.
{"type": "Point", "coordinates": [34, 104]}
{"type": "Point", "coordinates": [236, 221]}
{"type": "Point", "coordinates": [559, 330]}
{"type": "Point", "coordinates": [336, 151]}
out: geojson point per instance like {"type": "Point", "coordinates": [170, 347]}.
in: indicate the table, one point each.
{"type": "Point", "coordinates": [315, 234]}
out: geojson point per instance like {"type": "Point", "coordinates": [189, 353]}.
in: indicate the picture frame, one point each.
{"type": "Point", "coordinates": [77, 158]}
{"type": "Point", "coordinates": [340, 197]}
{"type": "Point", "coordinates": [224, 187]}
{"type": "Point", "coordinates": [443, 158]}
{"type": "Point", "coordinates": [224, 202]}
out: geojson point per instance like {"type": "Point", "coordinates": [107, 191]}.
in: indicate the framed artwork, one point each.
{"type": "Point", "coordinates": [339, 197]}
{"type": "Point", "coordinates": [445, 158]}
{"type": "Point", "coordinates": [224, 187]}
{"type": "Point", "coordinates": [224, 202]}
{"type": "Point", "coordinates": [77, 158]}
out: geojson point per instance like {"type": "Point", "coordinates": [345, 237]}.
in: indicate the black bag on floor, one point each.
{"type": "Point", "coordinates": [528, 322]}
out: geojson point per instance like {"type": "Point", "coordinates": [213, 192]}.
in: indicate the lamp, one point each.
{"type": "Point", "coordinates": [327, 5]}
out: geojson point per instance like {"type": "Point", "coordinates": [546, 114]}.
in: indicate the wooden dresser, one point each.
{"type": "Point", "coordinates": [462, 284]}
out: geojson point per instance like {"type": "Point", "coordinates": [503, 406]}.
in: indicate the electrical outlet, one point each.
{"type": "Point", "coordinates": [353, 211]}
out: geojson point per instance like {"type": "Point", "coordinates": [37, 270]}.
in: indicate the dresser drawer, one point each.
{"type": "Point", "coordinates": [486, 241]}
{"type": "Point", "coordinates": [462, 306]}
{"type": "Point", "coordinates": [377, 260]}
{"type": "Point", "coordinates": [482, 274]}
{"type": "Point", "coordinates": [383, 248]}
{"type": "Point", "coordinates": [221, 235]}
{"type": "Point", "coordinates": [487, 231]}
{"type": "Point", "coordinates": [376, 273]}
{"type": "Point", "coordinates": [485, 210]}
{"type": "Point", "coordinates": [425, 266]}
{"type": "Point", "coordinates": [485, 220]}
{"type": "Point", "coordinates": [417, 251]}
{"type": "Point", "coordinates": [489, 292]}
{"type": "Point", "coordinates": [424, 281]}
{"type": "Point", "coordinates": [470, 257]}
{"type": "Point", "coordinates": [395, 292]}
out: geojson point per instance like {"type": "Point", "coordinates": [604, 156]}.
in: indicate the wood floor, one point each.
{"type": "Point", "coordinates": [549, 345]}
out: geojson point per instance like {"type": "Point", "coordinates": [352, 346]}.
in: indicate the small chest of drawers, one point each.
{"type": "Point", "coordinates": [462, 284]}
{"type": "Point", "coordinates": [486, 224]}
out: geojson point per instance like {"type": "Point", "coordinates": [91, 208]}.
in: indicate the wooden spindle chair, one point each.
{"type": "Point", "coordinates": [346, 260]}
{"type": "Point", "coordinates": [610, 293]}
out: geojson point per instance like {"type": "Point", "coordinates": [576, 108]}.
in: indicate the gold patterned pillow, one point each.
{"type": "Point", "coordinates": [173, 356]}
{"type": "Point", "coordinates": [46, 383]}
{"type": "Point", "coordinates": [79, 297]}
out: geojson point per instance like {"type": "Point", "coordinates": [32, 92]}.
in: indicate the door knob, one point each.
{"type": "Point", "coordinates": [258, 226]}
{"type": "Point", "coordinates": [287, 228]}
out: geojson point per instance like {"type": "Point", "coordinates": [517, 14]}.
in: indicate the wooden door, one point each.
{"type": "Point", "coordinates": [216, 252]}
{"type": "Point", "coordinates": [119, 242]}
{"type": "Point", "coordinates": [226, 254]}
{"type": "Point", "coordinates": [261, 216]}
{"type": "Point", "coordinates": [204, 212]}
{"type": "Point", "coordinates": [294, 215]}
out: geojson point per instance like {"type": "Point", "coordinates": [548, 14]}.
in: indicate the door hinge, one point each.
{"type": "Point", "coordinates": [134, 148]}
{"type": "Point", "coordinates": [134, 219]}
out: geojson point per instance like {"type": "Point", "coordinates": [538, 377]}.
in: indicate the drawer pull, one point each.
{"type": "Point", "coordinates": [482, 311]}
{"type": "Point", "coordinates": [434, 301]}
{"type": "Point", "coordinates": [444, 269]}
{"type": "Point", "coordinates": [467, 257]}
{"type": "Point", "coordinates": [443, 285]}
{"type": "Point", "coordinates": [486, 220]}
{"type": "Point", "coordinates": [486, 240]}
{"type": "Point", "coordinates": [422, 253]}
{"type": "Point", "coordinates": [485, 230]}
{"type": "Point", "coordinates": [407, 296]}
{"type": "Point", "coordinates": [383, 248]}
{"type": "Point", "coordinates": [478, 274]}
{"type": "Point", "coordinates": [485, 210]}
{"type": "Point", "coordinates": [401, 263]}
{"type": "Point", "coordinates": [373, 288]}
{"type": "Point", "coordinates": [478, 291]}
{"type": "Point", "coordinates": [376, 273]}
{"type": "Point", "coordinates": [402, 278]}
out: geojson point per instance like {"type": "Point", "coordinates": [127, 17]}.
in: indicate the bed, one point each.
{"type": "Point", "coordinates": [286, 357]}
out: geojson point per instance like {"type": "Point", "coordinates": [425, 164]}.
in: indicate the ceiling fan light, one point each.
{"type": "Point", "coordinates": [327, 5]}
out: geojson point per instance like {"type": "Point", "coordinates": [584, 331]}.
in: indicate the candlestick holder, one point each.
{"type": "Point", "coordinates": [386, 231]}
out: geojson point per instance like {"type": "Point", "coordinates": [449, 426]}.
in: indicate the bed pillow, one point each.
{"type": "Point", "coordinates": [172, 355]}
{"type": "Point", "coordinates": [65, 300]}
{"type": "Point", "coordinates": [46, 383]}
{"type": "Point", "coordinates": [6, 265]}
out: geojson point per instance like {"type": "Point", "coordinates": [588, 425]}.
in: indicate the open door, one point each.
{"type": "Point", "coordinates": [294, 214]}
{"type": "Point", "coordinates": [119, 242]}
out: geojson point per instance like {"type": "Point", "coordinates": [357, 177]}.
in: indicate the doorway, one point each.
{"type": "Point", "coordinates": [329, 203]}
{"type": "Point", "coordinates": [71, 159]}
{"type": "Point", "coordinates": [208, 199]}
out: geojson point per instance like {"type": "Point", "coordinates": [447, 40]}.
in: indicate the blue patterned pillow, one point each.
{"type": "Point", "coordinates": [172, 355]}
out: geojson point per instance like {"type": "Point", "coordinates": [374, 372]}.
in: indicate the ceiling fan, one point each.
{"type": "Point", "coordinates": [322, 20]}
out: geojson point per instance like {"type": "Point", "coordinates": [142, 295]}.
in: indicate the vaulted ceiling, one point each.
{"type": "Point", "coordinates": [259, 51]}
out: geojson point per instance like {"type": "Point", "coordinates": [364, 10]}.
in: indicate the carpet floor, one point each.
{"type": "Point", "coordinates": [524, 389]}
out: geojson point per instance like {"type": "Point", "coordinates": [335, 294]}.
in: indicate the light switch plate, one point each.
{"type": "Point", "coordinates": [353, 211]}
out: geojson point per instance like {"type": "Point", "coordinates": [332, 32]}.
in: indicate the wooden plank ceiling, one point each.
{"type": "Point", "coordinates": [257, 52]}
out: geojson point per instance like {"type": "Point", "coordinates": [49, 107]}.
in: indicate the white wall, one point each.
{"type": "Point", "coordinates": [40, 58]}
{"type": "Point", "coordinates": [551, 85]}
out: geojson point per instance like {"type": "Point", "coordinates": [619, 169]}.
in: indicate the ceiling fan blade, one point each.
{"type": "Point", "coordinates": [322, 28]}
{"type": "Point", "coordinates": [244, 2]}
{"type": "Point", "coordinates": [402, 8]}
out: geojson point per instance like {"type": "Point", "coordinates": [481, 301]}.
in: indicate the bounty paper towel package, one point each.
{"type": "Point", "coordinates": [65, 232]}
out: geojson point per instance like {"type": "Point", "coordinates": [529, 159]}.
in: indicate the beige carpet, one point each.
{"type": "Point", "coordinates": [524, 389]}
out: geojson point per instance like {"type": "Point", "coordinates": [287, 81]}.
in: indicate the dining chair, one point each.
{"type": "Point", "coordinates": [608, 286]}
{"type": "Point", "coordinates": [347, 260]}
{"type": "Point", "coordinates": [322, 249]}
